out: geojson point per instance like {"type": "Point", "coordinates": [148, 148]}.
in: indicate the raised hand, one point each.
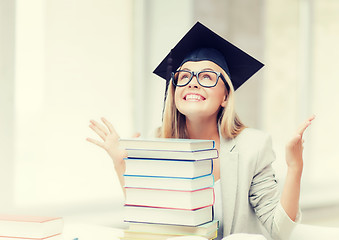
{"type": "Point", "coordinates": [110, 142]}
{"type": "Point", "coordinates": [294, 158]}
{"type": "Point", "coordinates": [294, 148]}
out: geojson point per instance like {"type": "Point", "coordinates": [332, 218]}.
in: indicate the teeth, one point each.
{"type": "Point", "coordinates": [193, 96]}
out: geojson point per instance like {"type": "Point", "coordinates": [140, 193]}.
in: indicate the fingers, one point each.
{"type": "Point", "coordinates": [295, 140]}
{"type": "Point", "coordinates": [96, 142]}
{"type": "Point", "coordinates": [305, 125]}
{"type": "Point", "coordinates": [100, 126]}
{"type": "Point", "coordinates": [99, 130]}
{"type": "Point", "coordinates": [109, 125]}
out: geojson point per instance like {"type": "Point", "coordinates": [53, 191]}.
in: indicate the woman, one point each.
{"type": "Point", "coordinates": [199, 104]}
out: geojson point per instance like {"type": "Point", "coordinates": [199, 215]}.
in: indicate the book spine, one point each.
{"type": "Point", "coordinates": [148, 176]}
{"type": "Point", "coordinates": [185, 178]}
{"type": "Point", "coordinates": [170, 190]}
{"type": "Point", "coordinates": [169, 224]}
{"type": "Point", "coordinates": [212, 165]}
{"type": "Point", "coordinates": [160, 159]}
{"type": "Point", "coordinates": [169, 208]}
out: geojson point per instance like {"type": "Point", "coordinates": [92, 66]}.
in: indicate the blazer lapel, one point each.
{"type": "Point", "coordinates": [229, 181]}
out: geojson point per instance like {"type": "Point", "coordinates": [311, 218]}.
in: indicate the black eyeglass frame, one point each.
{"type": "Point", "coordinates": [196, 74]}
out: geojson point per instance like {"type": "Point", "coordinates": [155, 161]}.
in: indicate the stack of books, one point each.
{"type": "Point", "coordinates": [30, 227]}
{"type": "Point", "coordinates": [169, 188]}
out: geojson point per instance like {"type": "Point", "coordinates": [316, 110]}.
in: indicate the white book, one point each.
{"type": "Point", "coordinates": [173, 155]}
{"type": "Point", "coordinates": [201, 230]}
{"type": "Point", "coordinates": [188, 184]}
{"type": "Point", "coordinates": [189, 200]}
{"type": "Point", "coordinates": [167, 168]}
{"type": "Point", "coordinates": [167, 144]}
{"type": "Point", "coordinates": [129, 235]}
{"type": "Point", "coordinates": [30, 227]}
{"type": "Point", "coordinates": [168, 216]}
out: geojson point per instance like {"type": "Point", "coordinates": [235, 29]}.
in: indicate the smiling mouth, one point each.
{"type": "Point", "coordinates": [194, 97]}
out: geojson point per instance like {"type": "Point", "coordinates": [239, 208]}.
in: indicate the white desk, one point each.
{"type": "Point", "coordinates": [94, 232]}
{"type": "Point", "coordinates": [90, 232]}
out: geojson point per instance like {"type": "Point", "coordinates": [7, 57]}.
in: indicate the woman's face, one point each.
{"type": "Point", "coordinates": [195, 101]}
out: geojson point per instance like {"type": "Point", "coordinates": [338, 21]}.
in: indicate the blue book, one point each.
{"type": "Point", "coordinates": [168, 168]}
{"type": "Point", "coordinates": [169, 144]}
{"type": "Point", "coordinates": [178, 183]}
{"type": "Point", "coordinates": [173, 155]}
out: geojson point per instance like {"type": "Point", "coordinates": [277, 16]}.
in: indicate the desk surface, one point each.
{"type": "Point", "coordinates": [84, 231]}
{"type": "Point", "coordinates": [90, 232]}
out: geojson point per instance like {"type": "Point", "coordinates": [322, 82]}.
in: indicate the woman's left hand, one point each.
{"type": "Point", "coordinates": [294, 148]}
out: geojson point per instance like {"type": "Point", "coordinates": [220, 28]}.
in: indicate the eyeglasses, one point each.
{"type": "Point", "coordinates": [206, 78]}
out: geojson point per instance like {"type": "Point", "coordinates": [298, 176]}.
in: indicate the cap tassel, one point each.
{"type": "Point", "coordinates": [168, 79]}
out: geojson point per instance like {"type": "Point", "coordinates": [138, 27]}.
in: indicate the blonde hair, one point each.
{"type": "Point", "coordinates": [174, 122]}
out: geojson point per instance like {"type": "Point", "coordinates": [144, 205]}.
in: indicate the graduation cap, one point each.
{"type": "Point", "coordinates": [201, 43]}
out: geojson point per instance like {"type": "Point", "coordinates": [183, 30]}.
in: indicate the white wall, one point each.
{"type": "Point", "coordinates": [324, 152]}
{"type": "Point", "coordinates": [73, 64]}
{"type": "Point", "coordinates": [301, 79]}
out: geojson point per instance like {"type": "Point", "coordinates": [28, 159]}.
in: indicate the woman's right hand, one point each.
{"type": "Point", "coordinates": [110, 142]}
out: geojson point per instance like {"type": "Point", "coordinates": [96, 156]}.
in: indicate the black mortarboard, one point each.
{"type": "Point", "coordinates": [201, 43]}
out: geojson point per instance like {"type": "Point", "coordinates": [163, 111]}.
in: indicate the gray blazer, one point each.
{"type": "Point", "coordinates": [250, 195]}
